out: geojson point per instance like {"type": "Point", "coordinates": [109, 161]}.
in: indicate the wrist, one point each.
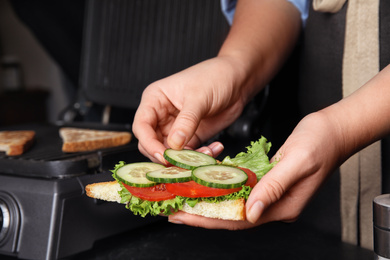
{"type": "Point", "coordinates": [324, 137]}
{"type": "Point", "coordinates": [348, 131]}
{"type": "Point", "coordinates": [242, 75]}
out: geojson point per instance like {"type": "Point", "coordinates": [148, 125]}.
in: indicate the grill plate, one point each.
{"type": "Point", "coordinates": [46, 159]}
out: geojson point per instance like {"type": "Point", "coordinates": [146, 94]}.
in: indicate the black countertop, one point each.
{"type": "Point", "coordinates": [163, 240]}
{"type": "Point", "coordinates": [166, 241]}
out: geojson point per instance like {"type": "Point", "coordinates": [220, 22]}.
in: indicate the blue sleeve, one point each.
{"type": "Point", "coordinates": [303, 7]}
{"type": "Point", "coordinates": [229, 6]}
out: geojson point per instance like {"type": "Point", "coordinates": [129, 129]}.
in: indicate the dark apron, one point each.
{"type": "Point", "coordinates": [321, 85]}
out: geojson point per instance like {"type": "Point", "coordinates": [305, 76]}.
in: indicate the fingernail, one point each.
{"type": "Point", "coordinates": [178, 138]}
{"type": "Point", "coordinates": [175, 221]}
{"type": "Point", "coordinates": [216, 148]}
{"type": "Point", "coordinates": [159, 157]}
{"type": "Point", "coordinates": [255, 211]}
{"type": "Point", "coordinates": [205, 150]}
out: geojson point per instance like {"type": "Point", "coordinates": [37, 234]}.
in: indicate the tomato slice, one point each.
{"type": "Point", "coordinates": [155, 193]}
{"type": "Point", "coordinates": [252, 178]}
{"type": "Point", "coordinates": [192, 189]}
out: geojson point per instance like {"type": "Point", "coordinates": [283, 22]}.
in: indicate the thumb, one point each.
{"type": "Point", "coordinates": [184, 127]}
{"type": "Point", "coordinates": [269, 190]}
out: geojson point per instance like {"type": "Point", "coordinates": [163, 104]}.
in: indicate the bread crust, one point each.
{"type": "Point", "coordinates": [81, 140]}
{"type": "Point", "coordinates": [16, 142]}
{"type": "Point", "coordinates": [227, 210]}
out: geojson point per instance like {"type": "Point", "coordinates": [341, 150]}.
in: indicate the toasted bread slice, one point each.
{"type": "Point", "coordinates": [81, 140]}
{"type": "Point", "coordinates": [16, 142]}
{"type": "Point", "coordinates": [228, 210]}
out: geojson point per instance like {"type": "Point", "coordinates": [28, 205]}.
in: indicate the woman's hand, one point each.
{"type": "Point", "coordinates": [193, 105]}
{"type": "Point", "coordinates": [305, 160]}
{"type": "Point", "coordinates": [188, 108]}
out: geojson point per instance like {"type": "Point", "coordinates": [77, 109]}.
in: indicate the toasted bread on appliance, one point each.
{"type": "Point", "coordinates": [228, 210]}
{"type": "Point", "coordinates": [16, 142]}
{"type": "Point", "coordinates": [81, 140]}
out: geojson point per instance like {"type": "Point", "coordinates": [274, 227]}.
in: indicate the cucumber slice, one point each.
{"type": "Point", "coordinates": [219, 176]}
{"type": "Point", "coordinates": [169, 175]}
{"type": "Point", "coordinates": [134, 174]}
{"type": "Point", "coordinates": [188, 159]}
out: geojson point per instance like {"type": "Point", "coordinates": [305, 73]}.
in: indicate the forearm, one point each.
{"type": "Point", "coordinates": [363, 117]}
{"type": "Point", "coordinates": [262, 36]}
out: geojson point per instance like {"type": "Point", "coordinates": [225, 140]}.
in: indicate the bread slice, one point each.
{"type": "Point", "coordinates": [228, 210]}
{"type": "Point", "coordinates": [107, 191]}
{"type": "Point", "coordinates": [81, 140]}
{"type": "Point", "coordinates": [15, 143]}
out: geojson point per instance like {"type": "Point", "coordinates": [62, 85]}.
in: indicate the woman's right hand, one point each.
{"type": "Point", "coordinates": [193, 105]}
{"type": "Point", "coordinates": [188, 108]}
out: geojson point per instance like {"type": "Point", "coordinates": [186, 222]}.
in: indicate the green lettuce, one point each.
{"type": "Point", "coordinates": [255, 159]}
{"type": "Point", "coordinates": [243, 193]}
{"type": "Point", "coordinates": [144, 207]}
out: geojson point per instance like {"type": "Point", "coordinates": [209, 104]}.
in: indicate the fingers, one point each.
{"type": "Point", "coordinates": [185, 125]}
{"type": "Point", "coordinates": [156, 156]}
{"type": "Point", "coordinates": [271, 189]}
{"type": "Point", "coordinates": [144, 128]}
{"type": "Point", "coordinates": [209, 223]}
{"type": "Point", "coordinates": [213, 149]}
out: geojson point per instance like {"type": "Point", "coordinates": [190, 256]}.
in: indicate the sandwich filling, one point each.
{"type": "Point", "coordinates": [255, 159]}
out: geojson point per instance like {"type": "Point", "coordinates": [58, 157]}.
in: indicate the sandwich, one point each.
{"type": "Point", "coordinates": [16, 142]}
{"type": "Point", "coordinates": [81, 140]}
{"type": "Point", "coordinates": [193, 182]}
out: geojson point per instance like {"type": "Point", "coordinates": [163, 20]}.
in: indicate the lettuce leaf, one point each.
{"type": "Point", "coordinates": [144, 207]}
{"type": "Point", "coordinates": [243, 193]}
{"type": "Point", "coordinates": [255, 159]}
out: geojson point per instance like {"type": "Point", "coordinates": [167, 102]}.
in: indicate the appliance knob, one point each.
{"type": "Point", "coordinates": [4, 220]}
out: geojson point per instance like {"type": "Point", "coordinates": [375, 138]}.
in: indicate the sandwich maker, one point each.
{"type": "Point", "coordinates": [127, 44]}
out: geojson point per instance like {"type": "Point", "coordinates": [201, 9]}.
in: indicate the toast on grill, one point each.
{"type": "Point", "coordinates": [81, 140]}
{"type": "Point", "coordinates": [15, 143]}
{"type": "Point", "coordinates": [228, 209]}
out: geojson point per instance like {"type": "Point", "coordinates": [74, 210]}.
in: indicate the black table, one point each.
{"type": "Point", "coordinates": [274, 241]}
{"type": "Point", "coordinates": [163, 240]}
